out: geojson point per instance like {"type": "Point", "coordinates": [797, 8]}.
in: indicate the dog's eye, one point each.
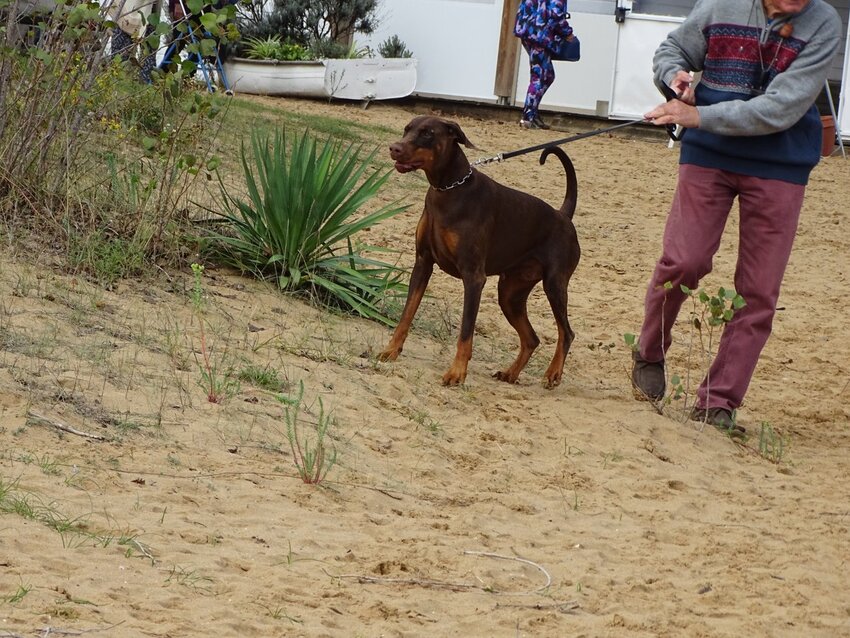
{"type": "Point", "coordinates": [425, 138]}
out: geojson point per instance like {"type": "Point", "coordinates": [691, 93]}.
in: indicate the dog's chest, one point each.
{"type": "Point", "coordinates": [445, 244]}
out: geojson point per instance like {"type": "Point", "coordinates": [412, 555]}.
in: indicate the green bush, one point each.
{"type": "Point", "coordinates": [95, 163]}
{"type": "Point", "coordinates": [273, 48]}
{"type": "Point", "coordinates": [308, 21]}
{"type": "Point", "coordinates": [299, 221]}
{"type": "Point", "coordinates": [394, 47]}
{"type": "Point", "coordinates": [263, 48]}
{"type": "Point", "coordinates": [329, 49]}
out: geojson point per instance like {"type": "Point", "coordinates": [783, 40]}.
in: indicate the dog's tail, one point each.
{"type": "Point", "coordinates": [568, 208]}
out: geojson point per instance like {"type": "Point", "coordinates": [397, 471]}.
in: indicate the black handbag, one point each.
{"type": "Point", "coordinates": [567, 50]}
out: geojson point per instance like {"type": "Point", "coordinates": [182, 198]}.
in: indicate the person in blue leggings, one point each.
{"type": "Point", "coordinates": [540, 24]}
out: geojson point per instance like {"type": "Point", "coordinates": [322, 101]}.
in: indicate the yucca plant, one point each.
{"type": "Point", "coordinates": [299, 221]}
{"type": "Point", "coordinates": [273, 48]}
{"type": "Point", "coordinates": [263, 49]}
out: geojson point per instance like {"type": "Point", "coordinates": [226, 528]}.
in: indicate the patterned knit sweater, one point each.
{"type": "Point", "coordinates": [759, 81]}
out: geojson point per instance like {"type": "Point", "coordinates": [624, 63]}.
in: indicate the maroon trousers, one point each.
{"type": "Point", "coordinates": [769, 212]}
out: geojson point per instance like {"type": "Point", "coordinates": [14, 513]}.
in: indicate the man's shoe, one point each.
{"type": "Point", "coordinates": [648, 378]}
{"type": "Point", "coordinates": [540, 123]}
{"type": "Point", "coordinates": [720, 418]}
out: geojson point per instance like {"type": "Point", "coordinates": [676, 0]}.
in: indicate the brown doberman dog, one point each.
{"type": "Point", "coordinates": [473, 227]}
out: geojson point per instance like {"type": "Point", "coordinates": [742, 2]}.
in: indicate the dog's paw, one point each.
{"type": "Point", "coordinates": [390, 354]}
{"type": "Point", "coordinates": [506, 375]}
{"type": "Point", "coordinates": [552, 380]}
{"type": "Point", "coordinates": [454, 377]}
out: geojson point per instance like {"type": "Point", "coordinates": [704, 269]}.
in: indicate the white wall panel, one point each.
{"type": "Point", "coordinates": [583, 86]}
{"type": "Point", "coordinates": [843, 106]}
{"type": "Point", "coordinates": [455, 41]}
{"type": "Point", "coordinates": [633, 92]}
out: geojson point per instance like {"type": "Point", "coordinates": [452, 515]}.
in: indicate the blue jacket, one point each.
{"type": "Point", "coordinates": [542, 23]}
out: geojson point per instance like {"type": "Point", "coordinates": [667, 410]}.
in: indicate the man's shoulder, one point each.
{"type": "Point", "coordinates": [817, 12]}
{"type": "Point", "coordinates": [824, 10]}
{"type": "Point", "coordinates": [818, 18]}
{"type": "Point", "coordinates": [724, 11]}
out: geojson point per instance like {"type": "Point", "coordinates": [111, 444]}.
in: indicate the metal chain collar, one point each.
{"type": "Point", "coordinates": [459, 182]}
{"type": "Point", "coordinates": [488, 160]}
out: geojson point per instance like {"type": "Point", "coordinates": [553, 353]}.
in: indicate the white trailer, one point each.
{"type": "Point", "coordinates": [466, 51]}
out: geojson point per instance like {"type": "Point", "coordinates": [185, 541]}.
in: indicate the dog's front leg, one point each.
{"type": "Point", "coordinates": [422, 270]}
{"type": "Point", "coordinates": [472, 286]}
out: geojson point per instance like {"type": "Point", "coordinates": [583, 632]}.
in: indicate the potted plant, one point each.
{"type": "Point", "coordinates": [270, 66]}
{"type": "Point", "coordinates": [293, 48]}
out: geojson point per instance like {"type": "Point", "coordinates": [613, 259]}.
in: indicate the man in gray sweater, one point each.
{"type": "Point", "coordinates": [752, 132]}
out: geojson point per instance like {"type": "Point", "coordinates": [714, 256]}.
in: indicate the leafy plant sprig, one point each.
{"type": "Point", "coordinates": [708, 313]}
{"type": "Point", "coordinates": [772, 444]}
{"type": "Point", "coordinates": [311, 457]}
{"type": "Point", "coordinates": [219, 384]}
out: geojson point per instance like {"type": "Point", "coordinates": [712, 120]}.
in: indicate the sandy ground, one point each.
{"type": "Point", "coordinates": [482, 510]}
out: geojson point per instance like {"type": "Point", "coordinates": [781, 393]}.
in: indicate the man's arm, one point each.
{"type": "Point", "coordinates": [787, 97]}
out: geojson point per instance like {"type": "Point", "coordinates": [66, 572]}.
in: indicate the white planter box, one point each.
{"type": "Point", "coordinates": [355, 79]}
{"type": "Point", "coordinates": [270, 77]}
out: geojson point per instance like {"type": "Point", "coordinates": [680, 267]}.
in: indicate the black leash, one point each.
{"type": "Point", "coordinates": [567, 140]}
{"type": "Point", "coordinates": [539, 147]}
{"type": "Point", "coordinates": [671, 133]}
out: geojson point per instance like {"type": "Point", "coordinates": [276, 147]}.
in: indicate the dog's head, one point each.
{"type": "Point", "coordinates": [427, 142]}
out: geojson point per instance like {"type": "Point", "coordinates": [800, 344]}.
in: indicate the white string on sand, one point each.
{"type": "Point", "coordinates": [43, 420]}
{"type": "Point", "coordinates": [440, 584]}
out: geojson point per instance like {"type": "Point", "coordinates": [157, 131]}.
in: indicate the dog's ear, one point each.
{"type": "Point", "coordinates": [459, 135]}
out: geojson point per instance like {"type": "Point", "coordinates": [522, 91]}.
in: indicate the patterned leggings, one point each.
{"type": "Point", "coordinates": [542, 76]}
{"type": "Point", "coordinates": [124, 46]}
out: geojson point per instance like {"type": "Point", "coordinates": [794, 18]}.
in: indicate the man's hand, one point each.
{"type": "Point", "coordinates": [674, 112]}
{"type": "Point", "coordinates": [681, 85]}
{"type": "Point", "coordinates": [680, 110]}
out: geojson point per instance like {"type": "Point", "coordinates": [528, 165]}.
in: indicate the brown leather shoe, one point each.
{"type": "Point", "coordinates": [720, 418]}
{"type": "Point", "coordinates": [648, 378]}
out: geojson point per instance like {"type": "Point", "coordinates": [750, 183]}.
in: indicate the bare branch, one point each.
{"type": "Point", "coordinates": [43, 420]}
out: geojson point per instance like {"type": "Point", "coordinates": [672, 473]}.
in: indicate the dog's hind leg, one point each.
{"type": "Point", "coordinates": [513, 298]}
{"type": "Point", "coordinates": [555, 287]}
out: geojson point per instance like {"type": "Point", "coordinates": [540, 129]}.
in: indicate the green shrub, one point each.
{"type": "Point", "coordinates": [306, 21]}
{"type": "Point", "coordinates": [394, 47]}
{"type": "Point", "coordinates": [107, 258]}
{"type": "Point", "coordinates": [328, 49]}
{"type": "Point", "coordinates": [94, 162]}
{"type": "Point", "coordinates": [273, 48]}
{"type": "Point", "coordinates": [291, 52]}
{"type": "Point", "coordinates": [299, 222]}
